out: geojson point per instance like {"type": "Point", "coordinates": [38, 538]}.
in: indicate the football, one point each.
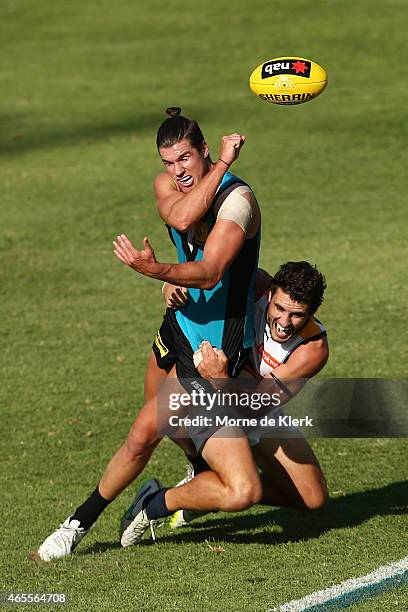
{"type": "Point", "coordinates": [197, 358]}
{"type": "Point", "coordinates": [288, 80]}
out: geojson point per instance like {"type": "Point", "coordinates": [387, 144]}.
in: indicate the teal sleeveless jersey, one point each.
{"type": "Point", "coordinates": [222, 315]}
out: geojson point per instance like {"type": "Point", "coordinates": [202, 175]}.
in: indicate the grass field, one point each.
{"type": "Point", "coordinates": [84, 87]}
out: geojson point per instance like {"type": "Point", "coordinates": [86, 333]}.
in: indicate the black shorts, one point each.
{"type": "Point", "coordinates": [171, 347]}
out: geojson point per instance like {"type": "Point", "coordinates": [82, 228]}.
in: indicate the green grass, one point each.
{"type": "Point", "coordinates": [84, 87]}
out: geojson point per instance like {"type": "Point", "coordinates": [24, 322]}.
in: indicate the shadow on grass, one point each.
{"type": "Point", "coordinates": [29, 135]}
{"type": "Point", "coordinates": [347, 511]}
{"type": "Point", "coordinates": [33, 137]}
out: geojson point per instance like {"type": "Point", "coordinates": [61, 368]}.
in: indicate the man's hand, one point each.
{"type": "Point", "coordinates": [142, 261]}
{"type": "Point", "coordinates": [213, 364]}
{"type": "Point", "coordinates": [174, 295]}
{"type": "Point", "coordinates": [230, 147]}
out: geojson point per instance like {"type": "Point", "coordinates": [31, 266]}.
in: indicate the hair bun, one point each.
{"type": "Point", "coordinates": [173, 111]}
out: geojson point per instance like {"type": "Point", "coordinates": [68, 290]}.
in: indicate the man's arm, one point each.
{"type": "Point", "coordinates": [305, 362]}
{"type": "Point", "coordinates": [181, 210]}
{"type": "Point", "coordinates": [221, 248]}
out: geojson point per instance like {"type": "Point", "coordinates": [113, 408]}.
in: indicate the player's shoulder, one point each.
{"type": "Point", "coordinates": [164, 183]}
{"type": "Point", "coordinates": [240, 186]}
{"type": "Point", "coordinates": [313, 350]}
{"type": "Point", "coordinates": [240, 206]}
{"type": "Point", "coordinates": [318, 344]}
{"type": "Point", "coordinates": [314, 334]}
{"type": "Point", "coordinates": [263, 284]}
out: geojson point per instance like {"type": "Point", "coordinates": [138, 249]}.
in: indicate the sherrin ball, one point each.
{"type": "Point", "coordinates": [288, 80]}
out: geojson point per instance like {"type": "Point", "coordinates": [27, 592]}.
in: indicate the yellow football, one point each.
{"type": "Point", "coordinates": [288, 80]}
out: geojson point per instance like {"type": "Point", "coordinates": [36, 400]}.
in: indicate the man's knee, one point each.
{"type": "Point", "coordinates": [242, 495]}
{"type": "Point", "coordinates": [141, 440]}
{"type": "Point", "coordinates": [232, 460]}
{"type": "Point", "coordinates": [317, 497]}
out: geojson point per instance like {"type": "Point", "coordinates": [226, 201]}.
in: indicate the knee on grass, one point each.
{"type": "Point", "coordinates": [316, 498]}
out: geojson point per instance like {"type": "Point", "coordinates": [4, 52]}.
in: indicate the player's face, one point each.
{"type": "Point", "coordinates": [286, 316]}
{"type": "Point", "coordinates": [185, 164]}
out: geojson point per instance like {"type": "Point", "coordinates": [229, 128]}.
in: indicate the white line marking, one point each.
{"type": "Point", "coordinates": [381, 574]}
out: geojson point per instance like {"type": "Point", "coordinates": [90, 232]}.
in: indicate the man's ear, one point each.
{"type": "Point", "coordinates": [206, 150]}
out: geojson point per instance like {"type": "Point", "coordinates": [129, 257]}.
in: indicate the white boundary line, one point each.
{"type": "Point", "coordinates": [384, 574]}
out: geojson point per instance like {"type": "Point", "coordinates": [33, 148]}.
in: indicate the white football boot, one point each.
{"type": "Point", "coordinates": [63, 541]}
{"type": "Point", "coordinates": [135, 520]}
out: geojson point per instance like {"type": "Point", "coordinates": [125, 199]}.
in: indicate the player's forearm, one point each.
{"type": "Point", "coordinates": [191, 207]}
{"type": "Point", "coordinates": [281, 391]}
{"type": "Point", "coordinates": [190, 274]}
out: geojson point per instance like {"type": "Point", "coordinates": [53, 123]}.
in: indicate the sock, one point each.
{"type": "Point", "coordinates": [155, 505]}
{"type": "Point", "coordinates": [90, 510]}
{"type": "Point", "coordinates": [199, 464]}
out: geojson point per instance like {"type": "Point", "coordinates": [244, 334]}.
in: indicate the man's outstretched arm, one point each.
{"type": "Point", "coordinates": [221, 248]}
